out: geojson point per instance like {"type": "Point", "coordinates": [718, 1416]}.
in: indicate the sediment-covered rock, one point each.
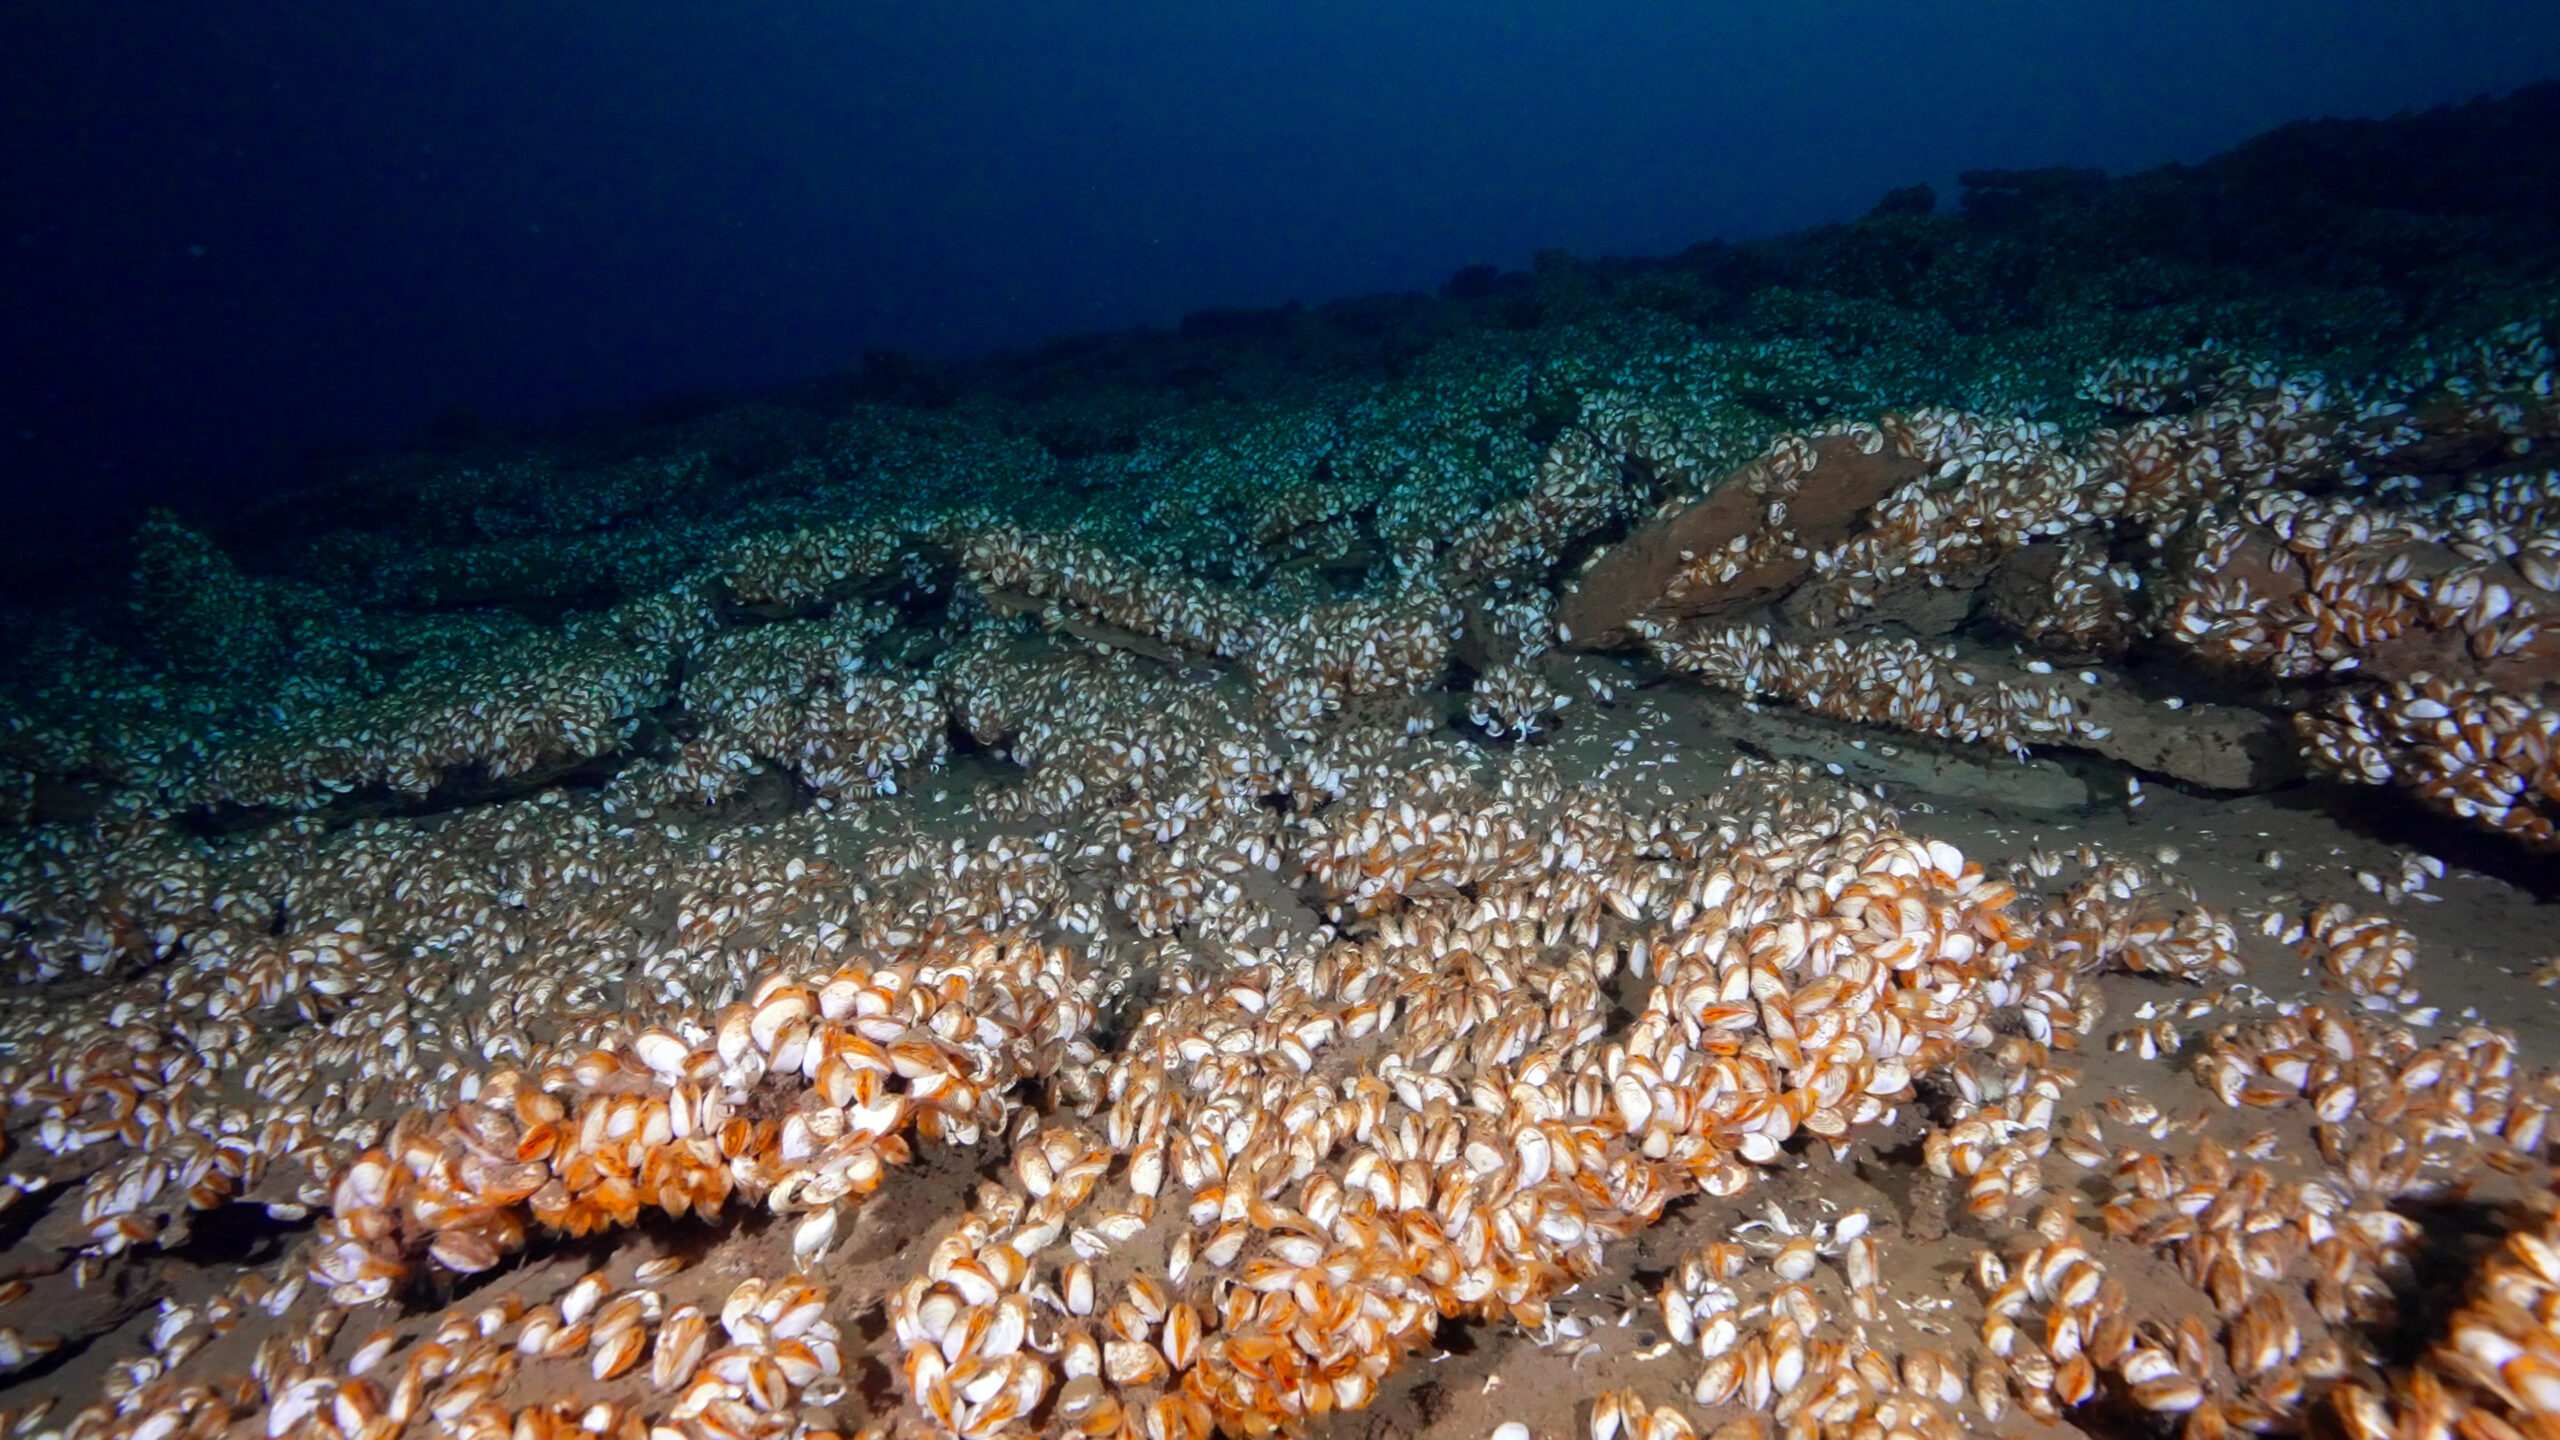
{"type": "Point", "coordinates": [1748, 543]}
{"type": "Point", "coordinates": [2243, 545]}
{"type": "Point", "coordinates": [2302, 590]}
{"type": "Point", "coordinates": [1967, 695]}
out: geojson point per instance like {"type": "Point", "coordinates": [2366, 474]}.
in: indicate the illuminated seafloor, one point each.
{"type": "Point", "coordinates": [1937, 826]}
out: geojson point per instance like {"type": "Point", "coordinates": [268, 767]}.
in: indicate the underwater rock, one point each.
{"type": "Point", "coordinates": [1970, 695]}
{"type": "Point", "coordinates": [2065, 608]}
{"type": "Point", "coordinates": [1642, 575]}
{"type": "Point", "coordinates": [1009, 603]}
{"type": "Point", "coordinates": [1900, 762]}
{"type": "Point", "coordinates": [2219, 747]}
{"type": "Point", "coordinates": [2391, 608]}
{"type": "Point", "coordinates": [196, 607]}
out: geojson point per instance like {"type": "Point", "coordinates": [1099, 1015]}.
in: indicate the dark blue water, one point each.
{"type": "Point", "coordinates": [235, 239]}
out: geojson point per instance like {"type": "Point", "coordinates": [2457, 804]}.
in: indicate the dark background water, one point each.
{"type": "Point", "coordinates": [234, 235]}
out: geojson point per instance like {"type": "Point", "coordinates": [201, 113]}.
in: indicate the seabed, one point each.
{"type": "Point", "coordinates": [1812, 841]}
